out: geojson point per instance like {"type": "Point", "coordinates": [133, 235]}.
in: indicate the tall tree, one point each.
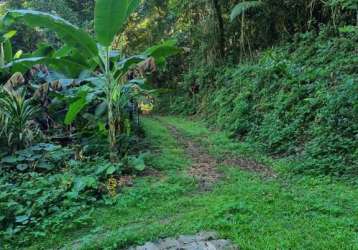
{"type": "Point", "coordinates": [220, 22]}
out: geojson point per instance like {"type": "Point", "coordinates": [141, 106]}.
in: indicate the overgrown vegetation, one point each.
{"type": "Point", "coordinates": [298, 102]}
{"type": "Point", "coordinates": [297, 99]}
{"type": "Point", "coordinates": [284, 213]}
{"type": "Point", "coordinates": [77, 164]}
{"type": "Point", "coordinates": [55, 165]}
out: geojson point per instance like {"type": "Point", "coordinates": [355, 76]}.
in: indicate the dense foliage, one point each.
{"type": "Point", "coordinates": [69, 116]}
{"type": "Point", "coordinates": [297, 100]}
{"type": "Point", "coordinates": [76, 12]}
{"type": "Point", "coordinates": [75, 76]}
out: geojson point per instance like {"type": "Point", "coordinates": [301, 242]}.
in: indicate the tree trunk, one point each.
{"type": "Point", "coordinates": [112, 134]}
{"type": "Point", "coordinates": [220, 20]}
{"type": "Point", "coordinates": [112, 124]}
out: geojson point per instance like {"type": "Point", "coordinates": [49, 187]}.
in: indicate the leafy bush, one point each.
{"type": "Point", "coordinates": [33, 204]}
{"type": "Point", "coordinates": [298, 100]}
{"type": "Point", "coordinates": [42, 156]}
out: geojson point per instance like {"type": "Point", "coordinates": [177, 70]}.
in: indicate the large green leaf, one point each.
{"type": "Point", "coordinates": [8, 51]}
{"type": "Point", "coordinates": [84, 96]}
{"type": "Point", "coordinates": [67, 32]}
{"type": "Point", "coordinates": [126, 63]}
{"type": "Point", "coordinates": [83, 182]}
{"type": "Point", "coordinates": [74, 109]}
{"type": "Point", "coordinates": [69, 66]}
{"type": "Point", "coordinates": [162, 51]}
{"type": "Point", "coordinates": [137, 163]}
{"type": "Point", "coordinates": [43, 50]}
{"type": "Point", "coordinates": [158, 52]}
{"type": "Point", "coordinates": [22, 65]}
{"type": "Point", "coordinates": [165, 49]}
{"type": "Point", "coordinates": [66, 65]}
{"type": "Point", "coordinates": [8, 35]}
{"type": "Point", "coordinates": [110, 15]}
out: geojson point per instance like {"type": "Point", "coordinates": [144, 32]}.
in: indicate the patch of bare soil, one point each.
{"type": "Point", "coordinates": [250, 165]}
{"type": "Point", "coordinates": [204, 166]}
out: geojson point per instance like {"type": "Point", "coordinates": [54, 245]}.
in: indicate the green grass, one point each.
{"type": "Point", "coordinates": [170, 156]}
{"type": "Point", "coordinates": [219, 144]}
{"type": "Point", "coordinates": [285, 213]}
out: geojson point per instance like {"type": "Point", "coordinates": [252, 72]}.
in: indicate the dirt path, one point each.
{"type": "Point", "coordinates": [205, 167]}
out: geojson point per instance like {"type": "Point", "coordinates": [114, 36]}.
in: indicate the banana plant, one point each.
{"type": "Point", "coordinates": [83, 52]}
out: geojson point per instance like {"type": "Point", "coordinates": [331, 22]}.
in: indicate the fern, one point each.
{"type": "Point", "coordinates": [242, 7]}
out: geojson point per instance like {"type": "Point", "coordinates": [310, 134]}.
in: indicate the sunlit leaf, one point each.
{"type": "Point", "coordinates": [110, 15]}
{"type": "Point", "coordinates": [74, 109]}
{"type": "Point", "coordinates": [67, 32]}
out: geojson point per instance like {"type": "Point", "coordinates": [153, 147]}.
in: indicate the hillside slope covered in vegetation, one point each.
{"type": "Point", "coordinates": [298, 100]}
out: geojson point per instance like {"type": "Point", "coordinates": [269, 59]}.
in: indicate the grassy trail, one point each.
{"type": "Point", "coordinates": [254, 211]}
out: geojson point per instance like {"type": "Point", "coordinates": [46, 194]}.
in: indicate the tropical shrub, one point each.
{"type": "Point", "coordinates": [34, 204]}
{"type": "Point", "coordinates": [110, 74]}
{"type": "Point", "coordinates": [16, 114]}
{"type": "Point", "coordinates": [42, 157]}
{"type": "Point", "coordinates": [46, 184]}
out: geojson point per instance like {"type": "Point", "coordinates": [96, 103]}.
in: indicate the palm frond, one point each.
{"type": "Point", "coordinates": [242, 7]}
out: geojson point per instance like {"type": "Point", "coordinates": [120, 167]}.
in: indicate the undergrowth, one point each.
{"type": "Point", "coordinates": [299, 100]}
{"type": "Point", "coordinates": [300, 213]}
